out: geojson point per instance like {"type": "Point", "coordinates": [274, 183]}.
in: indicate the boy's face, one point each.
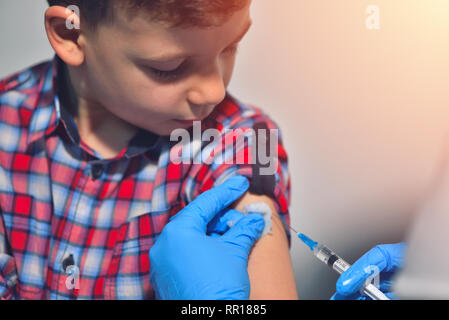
{"type": "Point", "coordinates": [153, 76]}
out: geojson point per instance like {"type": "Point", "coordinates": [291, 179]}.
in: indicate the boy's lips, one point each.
{"type": "Point", "coordinates": [190, 122]}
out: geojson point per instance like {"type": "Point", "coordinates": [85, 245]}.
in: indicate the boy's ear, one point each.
{"type": "Point", "coordinates": [62, 27]}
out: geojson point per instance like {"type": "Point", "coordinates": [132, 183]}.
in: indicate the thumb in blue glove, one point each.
{"type": "Point", "coordinates": [187, 263]}
{"type": "Point", "coordinates": [382, 261]}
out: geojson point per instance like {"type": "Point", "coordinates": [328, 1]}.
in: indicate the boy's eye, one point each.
{"type": "Point", "coordinates": [172, 75]}
{"type": "Point", "coordinates": [166, 75]}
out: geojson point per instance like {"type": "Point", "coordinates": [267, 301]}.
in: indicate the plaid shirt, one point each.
{"type": "Point", "coordinates": [74, 225]}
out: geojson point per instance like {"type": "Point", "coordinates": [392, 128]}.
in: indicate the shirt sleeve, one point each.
{"type": "Point", "coordinates": [251, 147]}
{"type": "Point", "coordinates": [8, 270]}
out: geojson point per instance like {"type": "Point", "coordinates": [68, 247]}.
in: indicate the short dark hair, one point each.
{"type": "Point", "coordinates": [175, 13]}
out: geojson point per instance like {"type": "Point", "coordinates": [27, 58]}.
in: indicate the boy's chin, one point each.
{"type": "Point", "coordinates": [168, 127]}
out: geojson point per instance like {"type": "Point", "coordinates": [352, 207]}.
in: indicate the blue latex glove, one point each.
{"type": "Point", "coordinates": [386, 259]}
{"type": "Point", "coordinates": [190, 261]}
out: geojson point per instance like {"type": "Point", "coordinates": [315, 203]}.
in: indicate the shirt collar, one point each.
{"type": "Point", "coordinates": [58, 102]}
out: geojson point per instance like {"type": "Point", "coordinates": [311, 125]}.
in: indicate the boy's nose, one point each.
{"type": "Point", "coordinates": [209, 90]}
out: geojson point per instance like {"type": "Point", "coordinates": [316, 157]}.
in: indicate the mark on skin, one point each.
{"type": "Point", "coordinates": [263, 209]}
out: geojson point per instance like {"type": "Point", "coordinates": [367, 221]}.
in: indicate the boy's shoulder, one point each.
{"type": "Point", "coordinates": [26, 90]}
{"type": "Point", "coordinates": [233, 114]}
{"type": "Point", "coordinates": [21, 94]}
{"type": "Point", "coordinates": [27, 79]}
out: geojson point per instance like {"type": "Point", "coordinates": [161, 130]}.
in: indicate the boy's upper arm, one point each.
{"type": "Point", "coordinates": [270, 269]}
{"type": "Point", "coordinates": [269, 266]}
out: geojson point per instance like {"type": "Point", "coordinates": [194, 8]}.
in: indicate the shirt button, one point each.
{"type": "Point", "coordinates": [67, 262]}
{"type": "Point", "coordinates": [96, 171]}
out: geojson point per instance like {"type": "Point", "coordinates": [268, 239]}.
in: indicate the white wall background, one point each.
{"type": "Point", "coordinates": [364, 114]}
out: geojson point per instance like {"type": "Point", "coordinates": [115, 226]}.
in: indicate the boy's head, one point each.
{"type": "Point", "coordinates": [149, 62]}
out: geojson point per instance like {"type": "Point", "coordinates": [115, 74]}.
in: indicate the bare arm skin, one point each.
{"type": "Point", "coordinates": [269, 266]}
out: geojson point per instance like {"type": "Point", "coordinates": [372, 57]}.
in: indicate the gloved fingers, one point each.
{"type": "Point", "coordinates": [356, 296]}
{"type": "Point", "coordinates": [368, 265]}
{"type": "Point", "coordinates": [215, 235]}
{"type": "Point", "coordinates": [246, 231]}
{"type": "Point", "coordinates": [379, 259]}
{"type": "Point", "coordinates": [391, 296]}
{"type": "Point", "coordinates": [337, 296]}
{"type": "Point", "coordinates": [394, 255]}
{"type": "Point", "coordinates": [386, 281]}
{"type": "Point", "coordinates": [203, 209]}
{"type": "Point", "coordinates": [223, 222]}
{"type": "Point", "coordinates": [214, 225]}
{"type": "Point", "coordinates": [384, 287]}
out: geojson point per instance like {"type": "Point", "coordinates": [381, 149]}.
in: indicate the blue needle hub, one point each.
{"type": "Point", "coordinates": [309, 242]}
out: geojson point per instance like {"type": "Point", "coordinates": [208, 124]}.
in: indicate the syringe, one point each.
{"type": "Point", "coordinates": [324, 254]}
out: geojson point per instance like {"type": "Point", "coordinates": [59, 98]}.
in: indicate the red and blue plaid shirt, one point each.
{"type": "Point", "coordinates": [74, 225]}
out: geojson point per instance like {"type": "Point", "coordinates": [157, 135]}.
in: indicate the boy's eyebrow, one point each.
{"type": "Point", "coordinates": [172, 57]}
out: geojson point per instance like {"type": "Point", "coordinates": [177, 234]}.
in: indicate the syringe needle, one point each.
{"type": "Point", "coordinates": [293, 229]}
{"type": "Point", "coordinates": [327, 256]}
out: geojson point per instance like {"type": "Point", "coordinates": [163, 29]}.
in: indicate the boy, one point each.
{"type": "Point", "coordinates": [86, 178]}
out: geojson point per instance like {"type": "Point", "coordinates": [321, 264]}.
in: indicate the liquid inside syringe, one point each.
{"type": "Point", "coordinates": [326, 255]}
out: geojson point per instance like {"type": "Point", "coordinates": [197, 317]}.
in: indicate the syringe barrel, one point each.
{"type": "Point", "coordinates": [330, 258]}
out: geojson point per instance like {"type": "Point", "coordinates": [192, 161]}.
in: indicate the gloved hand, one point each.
{"type": "Point", "coordinates": [385, 259]}
{"type": "Point", "coordinates": [186, 263]}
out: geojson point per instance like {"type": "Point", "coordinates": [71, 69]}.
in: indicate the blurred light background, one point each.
{"type": "Point", "coordinates": [364, 113]}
